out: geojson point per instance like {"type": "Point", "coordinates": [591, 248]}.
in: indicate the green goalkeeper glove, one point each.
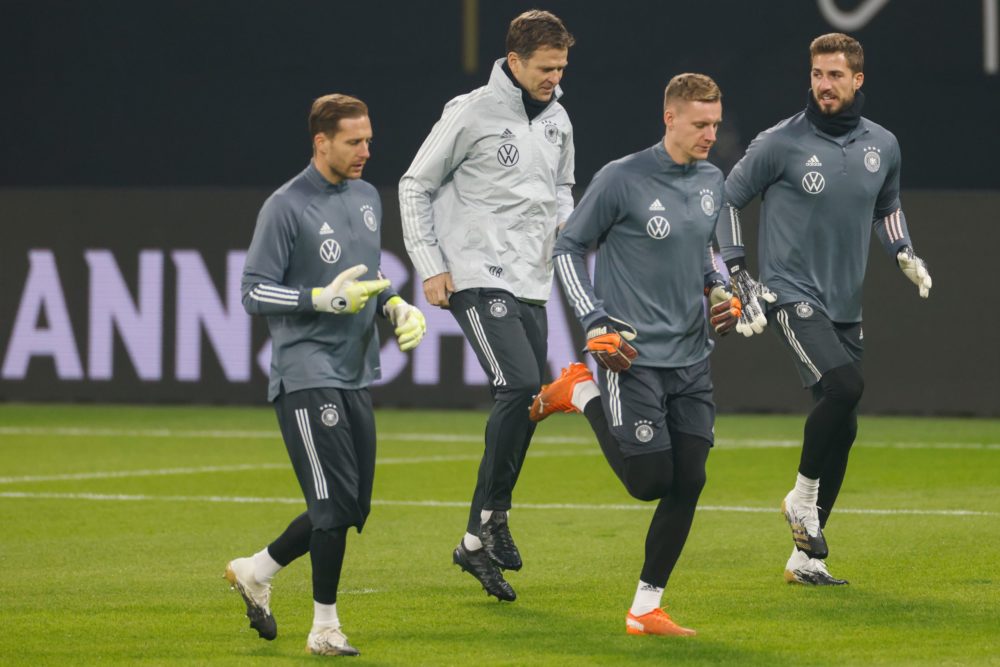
{"type": "Point", "coordinates": [915, 269]}
{"type": "Point", "coordinates": [345, 295]}
{"type": "Point", "coordinates": [408, 320]}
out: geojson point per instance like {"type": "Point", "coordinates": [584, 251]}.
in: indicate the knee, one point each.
{"type": "Point", "coordinates": [519, 392]}
{"type": "Point", "coordinates": [844, 385]}
{"type": "Point", "coordinates": [648, 490]}
{"type": "Point", "coordinates": [688, 488]}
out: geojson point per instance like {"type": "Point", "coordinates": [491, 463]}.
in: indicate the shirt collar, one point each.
{"type": "Point", "coordinates": [509, 93]}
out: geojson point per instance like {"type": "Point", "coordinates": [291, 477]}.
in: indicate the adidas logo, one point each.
{"type": "Point", "coordinates": [813, 162]}
{"type": "Point", "coordinates": [507, 134]}
{"type": "Point", "coordinates": [325, 229]}
{"type": "Point", "coordinates": [656, 205]}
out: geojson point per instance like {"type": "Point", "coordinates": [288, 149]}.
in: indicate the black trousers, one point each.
{"type": "Point", "coordinates": [510, 341]}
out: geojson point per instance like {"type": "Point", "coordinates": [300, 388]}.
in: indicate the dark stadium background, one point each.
{"type": "Point", "coordinates": [158, 128]}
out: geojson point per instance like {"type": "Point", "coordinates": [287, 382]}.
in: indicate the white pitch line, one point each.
{"type": "Point", "coordinates": [463, 504]}
{"type": "Point", "coordinates": [724, 443]}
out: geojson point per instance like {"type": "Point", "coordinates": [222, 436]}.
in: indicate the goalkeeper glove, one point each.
{"type": "Point", "coordinates": [345, 295]}
{"type": "Point", "coordinates": [915, 269]}
{"type": "Point", "coordinates": [724, 308]}
{"type": "Point", "coordinates": [752, 320]}
{"type": "Point", "coordinates": [408, 320]}
{"type": "Point", "coordinates": [607, 340]}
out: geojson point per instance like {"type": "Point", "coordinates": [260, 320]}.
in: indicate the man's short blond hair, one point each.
{"type": "Point", "coordinates": [691, 88]}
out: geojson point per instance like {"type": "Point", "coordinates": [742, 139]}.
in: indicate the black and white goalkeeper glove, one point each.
{"type": "Point", "coordinates": [915, 269]}
{"type": "Point", "coordinates": [750, 293]}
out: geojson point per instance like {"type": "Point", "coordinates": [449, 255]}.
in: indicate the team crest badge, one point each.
{"type": "Point", "coordinates": [369, 215]}
{"type": "Point", "coordinates": [329, 251]}
{"type": "Point", "coordinates": [707, 202]}
{"type": "Point", "coordinates": [873, 159]}
{"type": "Point", "coordinates": [643, 431]}
{"type": "Point", "coordinates": [498, 308]}
{"type": "Point", "coordinates": [551, 133]}
{"type": "Point", "coordinates": [328, 415]}
{"type": "Point", "coordinates": [803, 310]}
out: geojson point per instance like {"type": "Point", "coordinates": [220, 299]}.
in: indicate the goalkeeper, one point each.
{"type": "Point", "coordinates": [652, 215]}
{"type": "Point", "coordinates": [828, 176]}
{"type": "Point", "coordinates": [312, 271]}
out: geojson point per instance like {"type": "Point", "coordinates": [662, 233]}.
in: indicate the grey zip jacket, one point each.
{"type": "Point", "coordinates": [487, 190]}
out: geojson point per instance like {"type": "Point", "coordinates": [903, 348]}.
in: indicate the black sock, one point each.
{"type": "Point", "coordinates": [292, 543]}
{"type": "Point", "coordinates": [326, 549]}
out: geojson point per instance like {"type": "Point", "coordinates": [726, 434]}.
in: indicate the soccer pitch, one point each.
{"type": "Point", "coordinates": [118, 522]}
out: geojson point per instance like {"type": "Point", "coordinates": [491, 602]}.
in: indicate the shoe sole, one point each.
{"type": "Point", "coordinates": [349, 651]}
{"type": "Point", "coordinates": [460, 562]}
{"type": "Point", "coordinates": [681, 632]}
{"type": "Point", "coordinates": [794, 579]}
{"type": "Point", "coordinates": [258, 619]}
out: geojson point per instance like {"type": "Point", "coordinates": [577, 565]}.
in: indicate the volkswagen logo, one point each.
{"type": "Point", "coordinates": [813, 182]}
{"type": "Point", "coordinates": [658, 227]}
{"type": "Point", "coordinates": [507, 155]}
{"type": "Point", "coordinates": [329, 251]}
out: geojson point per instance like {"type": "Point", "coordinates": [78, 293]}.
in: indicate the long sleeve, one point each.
{"type": "Point", "coordinates": [267, 261]}
{"type": "Point", "coordinates": [888, 218]}
{"type": "Point", "coordinates": [566, 179]}
{"type": "Point", "coordinates": [752, 175]}
{"type": "Point", "coordinates": [441, 153]}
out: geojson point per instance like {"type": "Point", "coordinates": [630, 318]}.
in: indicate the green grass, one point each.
{"type": "Point", "coordinates": [133, 573]}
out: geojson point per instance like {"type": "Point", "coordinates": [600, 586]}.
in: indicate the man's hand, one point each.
{"type": "Point", "coordinates": [724, 308]}
{"type": "Point", "coordinates": [607, 340]}
{"type": "Point", "coordinates": [408, 320]}
{"type": "Point", "coordinates": [750, 293]}
{"type": "Point", "coordinates": [438, 288]}
{"type": "Point", "coordinates": [915, 269]}
{"type": "Point", "coordinates": [345, 295]}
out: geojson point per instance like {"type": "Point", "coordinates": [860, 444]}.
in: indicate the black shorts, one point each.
{"type": "Point", "coordinates": [644, 405]}
{"type": "Point", "coordinates": [330, 437]}
{"type": "Point", "coordinates": [816, 343]}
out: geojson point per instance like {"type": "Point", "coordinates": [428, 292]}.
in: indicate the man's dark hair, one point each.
{"type": "Point", "coordinates": [838, 42]}
{"type": "Point", "coordinates": [535, 29]}
{"type": "Point", "coordinates": [328, 110]}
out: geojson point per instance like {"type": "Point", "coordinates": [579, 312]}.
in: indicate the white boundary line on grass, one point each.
{"type": "Point", "coordinates": [460, 504]}
{"type": "Point", "coordinates": [724, 443]}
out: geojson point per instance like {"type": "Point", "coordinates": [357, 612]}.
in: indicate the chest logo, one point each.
{"type": "Point", "coordinates": [552, 133]}
{"type": "Point", "coordinates": [325, 229]}
{"type": "Point", "coordinates": [369, 216]}
{"type": "Point", "coordinates": [707, 202]}
{"type": "Point", "coordinates": [813, 182]}
{"type": "Point", "coordinates": [329, 415]}
{"type": "Point", "coordinates": [658, 227]}
{"type": "Point", "coordinates": [813, 162]}
{"type": "Point", "coordinates": [803, 310]}
{"type": "Point", "coordinates": [507, 155]}
{"type": "Point", "coordinates": [329, 251]}
{"type": "Point", "coordinates": [507, 134]}
{"type": "Point", "coordinates": [873, 159]}
{"type": "Point", "coordinates": [656, 205]}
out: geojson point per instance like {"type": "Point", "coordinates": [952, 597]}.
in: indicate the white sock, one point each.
{"type": "Point", "coordinates": [324, 616]}
{"type": "Point", "coordinates": [264, 567]}
{"type": "Point", "coordinates": [583, 392]}
{"type": "Point", "coordinates": [471, 542]}
{"type": "Point", "coordinates": [647, 598]}
{"type": "Point", "coordinates": [806, 489]}
{"type": "Point", "coordinates": [484, 515]}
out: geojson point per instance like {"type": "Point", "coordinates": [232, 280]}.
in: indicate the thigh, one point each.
{"type": "Point", "coordinates": [536, 328]}
{"type": "Point", "coordinates": [633, 402]}
{"type": "Point", "coordinates": [690, 403]}
{"type": "Point", "coordinates": [811, 338]}
{"type": "Point", "coordinates": [493, 322]}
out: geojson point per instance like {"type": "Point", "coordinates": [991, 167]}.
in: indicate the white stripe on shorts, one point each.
{"type": "Point", "coordinates": [782, 318]}
{"type": "Point", "coordinates": [614, 398]}
{"type": "Point", "coordinates": [484, 344]}
{"type": "Point", "coordinates": [319, 481]}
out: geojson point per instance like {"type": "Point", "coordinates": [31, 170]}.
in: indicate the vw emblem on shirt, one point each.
{"type": "Point", "coordinates": [498, 308]}
{"type": "Point", "coordinates": [707, 202]}
{"type": "Point", "coordinates": [552, 133]}
{"type": "Point", "coordinates": [658, 227]}
{"type": "Point", "coordinates": [369, 215]}
{"type": "Point", "coordinates": [329, 415]}
{"type": "Point", "coordinates": [643, 431]}
{"type": "Point", "coordinates": [813, 182]}
{"type": "Point", "coordinates": [803, 310]}
{"type": "Point", "coordinates": [872, 159]}
{"type": "Point", "coordinates": [507, 155]}
{"type": "Point", "coordinates": [329, 251]}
